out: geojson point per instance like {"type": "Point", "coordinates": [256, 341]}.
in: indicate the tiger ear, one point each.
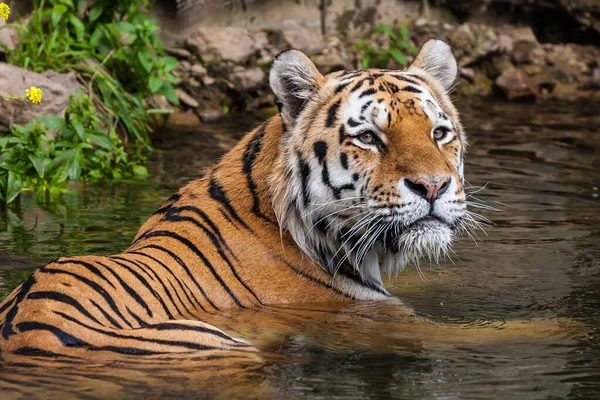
{"type": "Point", "coordinates": [294, 80]}
{"type": "Point", "coordinates": [437, 59]}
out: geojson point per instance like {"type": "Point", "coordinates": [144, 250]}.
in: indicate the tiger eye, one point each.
{"type": "Point", "coordinates": [439, 133]}
{"type": "Point", "coordinates": [367, 138]}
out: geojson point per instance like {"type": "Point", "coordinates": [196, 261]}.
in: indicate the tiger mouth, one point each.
{"type": "Point", "coordinates": [390, 239]}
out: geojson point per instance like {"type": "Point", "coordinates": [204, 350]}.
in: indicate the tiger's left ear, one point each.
{"type": "Point", "coordinates": [294, 80]}
{"type": "Point", "coordinates": [437, 59]}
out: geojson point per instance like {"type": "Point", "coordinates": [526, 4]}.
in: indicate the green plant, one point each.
{"type": "Point", "coordinates": [398, 44]}
{"type": "Point", "coordinates": [113, 48]}
{"type": "Point", "coordinates": [81, 150]}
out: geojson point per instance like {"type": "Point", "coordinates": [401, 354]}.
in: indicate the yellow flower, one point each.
{"type": "Point", "coordinates": [34, 94]}
{"type": "Point", "coordinates": [4, 11]}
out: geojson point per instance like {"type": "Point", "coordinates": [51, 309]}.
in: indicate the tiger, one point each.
{"type": "Point", "coordinates": [359, 174]}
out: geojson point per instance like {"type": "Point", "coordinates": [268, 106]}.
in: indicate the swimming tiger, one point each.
{"type": "Point", "coordinates": [359, 174]}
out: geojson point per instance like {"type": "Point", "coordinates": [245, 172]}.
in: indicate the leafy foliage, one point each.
{"type": "Point", "coordinates": [111, 45]}
{"type": "Point", "coordinates": [81, 150]}
{"type": "Point", "coordinates": [398, 44]}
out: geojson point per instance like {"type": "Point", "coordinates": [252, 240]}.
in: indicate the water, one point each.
{"type": "Point", "coordinates": [516, 315]}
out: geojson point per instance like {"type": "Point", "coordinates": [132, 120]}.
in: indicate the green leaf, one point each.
{"type": "Point", "coordinates": [57, 12]}
{"type": "Point", "coordinates": [169, 63]}
{"type": "Point", "coordinates": [75, 167]}
{"type": "Point", "coordinates": [78, 128]}
{"type": "Point", "coordinates": [95, 13]}
{"type": "Point", "coordinates": [38, 164]}
{"type": "Point", "coordinates": [100, 139]}
{"type": "Point", "coordinates": [13, 187]}
{"type": "Point", "coordinates": [158, 111]}
{"type": "Point", "coordinates": [398, 56]}
{"type": "Point", "coordinates": [146, 60]}
{"type": "Point", "coordinates": [140, 172]}
{"type": "Point", "coordinates": [168, 90]}
{"type": "Point", "coordinates": [78, 26]}
{"type": "Point", "coordinates": [53, 123]}
{"type": "Point", "coordinates": [154, 83]}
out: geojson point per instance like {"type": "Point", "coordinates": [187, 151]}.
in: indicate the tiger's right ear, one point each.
{"type": "Point", "coordinates": [294, 80]}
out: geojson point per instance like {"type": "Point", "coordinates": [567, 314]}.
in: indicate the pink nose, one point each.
{"type": "Point", "coordinates": [429, 189]}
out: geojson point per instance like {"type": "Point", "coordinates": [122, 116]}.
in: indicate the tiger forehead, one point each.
{"type": "Point", "coordinates": [383, 98]}
{"type": "Point", "coordinates": [375, 81]}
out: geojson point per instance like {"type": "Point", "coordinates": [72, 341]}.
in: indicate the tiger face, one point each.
{"type": "Point", "coordinates": [371, 163]}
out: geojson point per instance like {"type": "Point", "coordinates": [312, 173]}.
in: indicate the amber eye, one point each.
{"type": "Point", "coordinates": [440, 133]}
{"type": "Point", "coordinates": [367, 137]}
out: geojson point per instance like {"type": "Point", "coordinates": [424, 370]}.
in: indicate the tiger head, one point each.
{"type": "Point", "coordinates": [369, 175]}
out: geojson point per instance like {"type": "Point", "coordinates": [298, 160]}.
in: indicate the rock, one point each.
{"type": "Point", "coordinates": [292, 35]}
{"type": "Point", "coordinates": [8, 37]}
{"type": "Point", "coordinates": [56, 90]}
{"type": "Point", "coordinates": [178, 52]}
{"type": "Point", "coordinates": [515, 84]}
{"type": "Point", "coordinates": [208, 80]}
{"type": "Point", "coordinates": [183, 120]}
{"type": "Point", "coordinates": [160, 101]}
{"type": "Point", "coordinates": [222, 44]}
{"type": "Point", "coordinates": [586, 12]}
{"type": "Point", "coordinates": [248, 79]}
{"type": "Point", "coordinates": [331, 62]}
{"type": "Point", "coordinates": [186, 98]}
{"type": "Point", "coordinates": [211, 114]}
{"type": "Point", "coordinates": [523, 43]}
{"type": "Point", "coordinates": [193, 82]}
{"type": "Point", "coordinates": [198, 70]}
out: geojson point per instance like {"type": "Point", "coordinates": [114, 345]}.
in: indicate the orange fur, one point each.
{"type": "Point", "coordinates": [218, 243]}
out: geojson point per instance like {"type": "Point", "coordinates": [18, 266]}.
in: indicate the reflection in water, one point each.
{"type": "Point", "coordinates": [516, 315]}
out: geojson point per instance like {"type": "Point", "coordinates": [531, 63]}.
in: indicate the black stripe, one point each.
{"type": "Point", "coordinates": [106, 315]}
{"type": "Point", "coordinates": [177, 343]}
{"type": "Point", "coordinates": [209, 222]}
{"type": "Point", "coordinates": [65, 338]}
{"type": "Point", "coordinates": [216, 244]}
{"type": "Point", "coordinates": [344, 160]}
{"type": "Point", "coordinates": [132, 293]}
{"type": "Point", "coordinates": [367, 92]}
{"type": "Point", "coordinates": [7, 329]}
{"type": "Point", "coordinates": [404, 79]}
{"type": "Point", "coordinates": [342, 133]}
{"type": "Point", "coordinates": [197, 251]}
{"type": "Point", "coordinates": [216, 192]}
{"type": "Point", "coordinates": [174, 326]}
{"type": "Point", "coordinates": [187, 271]}
{"type": "Point", "coordinates": [141, 323]}
{"type": "Point", "coordinates": [365, 106]}
{"type": "Point", "coordinates": [342, 87]}
{"type": "Point", "coordinates": [62, 298]}
{"type": "Point", "coordinates": [316, 280]}
{"type": "Point", "coordinates": [248, 159]}
{"type": "Point", "coordinates": [181, 284]}
{"type": "Point", "coordinates": [332, 114]}
{"type": "Point", "coordinates": [305, 175]}
{"type": "Point", "coordinates": [411, 89]}
{"type": "Point", "coordinates": [320, 149]}
{"type": "Point", "coordinates": [147, 284]}
{"type": "Point", "coordinates": [88, 266]}
{"type": "Point", "coordinates": [353, 123]}
{"type": "Point", "coordinates": [96, 287]}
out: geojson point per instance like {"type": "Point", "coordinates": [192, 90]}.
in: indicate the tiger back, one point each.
{"type": "Point", "coordinates": [359, 175]}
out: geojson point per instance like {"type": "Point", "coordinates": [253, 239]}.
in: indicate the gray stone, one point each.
{"type": "Point", "coordinates": [178, 52]}
{"type": "Point", "coordinates": [186, 98]}
{"type": "Point", "coordinates": [198, 70]}
{"type": "Point", "coordinates": [515, 84]}
{"type": "Point", "coordinates": [8, 37]}
{"type": "Point", "coordinates": [292, 35]}
{"type": "Point", "coordinates": [248, 79]}
{"type": "Point", "coordinates": [222, 44]}
{"type": "Point", "coordinates": [56, 89]}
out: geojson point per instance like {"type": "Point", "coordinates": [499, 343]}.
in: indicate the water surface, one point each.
{"type": "Point", "coordinates": [515, 315]}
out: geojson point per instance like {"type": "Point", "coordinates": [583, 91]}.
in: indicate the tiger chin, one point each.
{"type": "Point", "coordinates": [359, 175]}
